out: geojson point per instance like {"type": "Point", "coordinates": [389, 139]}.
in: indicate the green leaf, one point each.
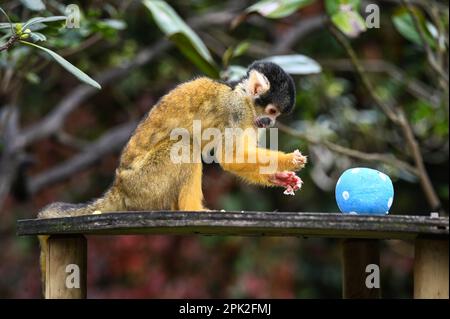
{"type": "Point", "coordinates": [404, 24]}
{"type": "Point", "coordinates": [233, 73]}
{"type": "Point", "coordinates": [185, 46]}
{"type": "Point", "coordinates": [67, 65]}
{"type": "Point", "coordinates": [108, 28]}
{"type": "Point", "coordinates": [296, 64]}
{"type": "Point", "coordinates": [182, 35]}
{"type": "Point", "coordinates": [37, 36]}
{"type": "Point", "coordinates": [241, 48]}
{"type": "Point", "coordinates": [232, 52]}
{"type": "Point", "coordinates": [345, 16]}
{"type": "Point", "coordinates": [439, 39]}
{"type": "Point", "coordinates": [35, 20]}
{"type": "Point", "coordinates": [349, 22]}
{"type": "Point", "coordinates": [33, 5]}
{"type": "Point", "coordinates": [33, 78]}
{"type": "Point", "coordinates": [334, 6]}
{"type": "Point", "coordinates": [276, 9]}
{"type": "Point", "coordinates": [5, 25]}
{"type": "Point", "coordinates": [114, 24]}
{"type": "Point", "coordinates": [227, 55]}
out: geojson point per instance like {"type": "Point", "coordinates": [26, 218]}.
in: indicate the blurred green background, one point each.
{"type": "Point", "coordinates": [60, 138]}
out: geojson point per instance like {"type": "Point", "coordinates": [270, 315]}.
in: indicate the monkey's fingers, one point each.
{"type": "Point", "coordinates": [294, 161]}
{"type": "Point", "coordinates": [298, 159]}
{"type": "Point", "coordinates": [288, 180]}
{"type": "Point", "coordinates": [283, 178]}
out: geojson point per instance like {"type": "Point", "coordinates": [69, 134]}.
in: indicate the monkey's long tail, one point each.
{"type": "Point", "coordinates": [55, 210]}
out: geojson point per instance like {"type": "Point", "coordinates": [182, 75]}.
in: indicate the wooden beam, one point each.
{"type": "Point", "coordinates": [431, 269]}
{"type": "Point", "coordinates": [361, 269]}
{"type": "Point", "coordinates": [331, 225]}
{"type": "Point", "coordinates": [66, 267]}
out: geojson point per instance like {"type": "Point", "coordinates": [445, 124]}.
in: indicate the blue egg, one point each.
{"type": "Point", "coordinates": [364, 191]}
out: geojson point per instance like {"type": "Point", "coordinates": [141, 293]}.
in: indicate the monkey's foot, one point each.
{"type": "Point", "coordinates": [288, 180]}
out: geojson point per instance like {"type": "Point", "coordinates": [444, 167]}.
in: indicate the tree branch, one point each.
{"type": "Point", "coordinates": [8, 44]}
{"type": "Point", "coordinates": [297, 32]}
{"type": "Point", "coordinates": [9, 161]}
{"type": "Point", "coordinates": [369, 157]}
{"type": "Point", "coordinates": [417, 88]}
{"type": "Point", "coordinates": [429, 53]}
{"type": "Point", "coordinates": [55, 119]}
{"type": "Point", "coordinates": [72, 141]}
{"type": "Point", "coordinates": [425, 4]}
{"type": "Point", "coordinates": [83, 46]}
{"type": "Point", "coordinates": [111, 141]}
{"type": "Point", "coordinates": [413, 145]}
{"type": "Point", "coordinates": [386, 108]}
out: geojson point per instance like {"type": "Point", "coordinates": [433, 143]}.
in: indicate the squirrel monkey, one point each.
{"type": "Point", "coordinates": [147, 179]}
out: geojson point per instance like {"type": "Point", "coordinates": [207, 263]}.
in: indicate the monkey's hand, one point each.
{"type": "Point", "coordinates": [294, 161]}
{"type": "Point", "coordinates": [288, 180]}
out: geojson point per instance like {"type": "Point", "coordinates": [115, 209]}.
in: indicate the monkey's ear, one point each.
{"type": "Point", "coordinates": [257, 84]}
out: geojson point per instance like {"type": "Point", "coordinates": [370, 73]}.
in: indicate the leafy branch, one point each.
{"type": "Point", "coordinates": [19, 33]}
{"type": "Point", "coordinates": [431, 57]}
{"type": "Point", "coordinates": [13, 37]}
{"type": "Point", "coordinates": [8, 44]}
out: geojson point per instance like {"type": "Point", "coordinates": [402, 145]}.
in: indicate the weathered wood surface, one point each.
{"type": "Point", "coordinates": [66, 268]}
{"type": "Point", "coordinates": [356, 255]}
{"type": "Point", "coordinates": [246, 223]}
{"type": "Point", "coordinates": [431, 269]}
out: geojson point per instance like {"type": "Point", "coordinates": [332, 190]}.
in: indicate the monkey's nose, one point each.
{"type": "Point", "coordinates": [263, 122]}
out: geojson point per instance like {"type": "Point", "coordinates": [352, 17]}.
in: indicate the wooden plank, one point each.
{"type": "Point", "coordinates": [431, 269]}
{"type": "Point", "coordinates": [66, 267]}
{"type": "Point", "coordinates": [358, 280]}
{"type": "Point", "coordinates": [245, 223]}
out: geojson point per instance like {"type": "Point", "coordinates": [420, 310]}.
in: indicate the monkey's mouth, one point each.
{"type": "Point", "coordinates": [263, 122]}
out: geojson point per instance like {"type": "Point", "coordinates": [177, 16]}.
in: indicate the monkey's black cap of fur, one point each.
{"type": "Point", "coordinates": [282, 87]}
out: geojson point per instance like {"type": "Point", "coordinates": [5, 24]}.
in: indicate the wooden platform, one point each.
{"type": "Point", "coordinates": [66, 257]}
{"type": "Point", "coordinates": [335, 225]}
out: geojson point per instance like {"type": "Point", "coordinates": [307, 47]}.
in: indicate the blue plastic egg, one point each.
{"type": "Point", "coordinates": [364, 191]}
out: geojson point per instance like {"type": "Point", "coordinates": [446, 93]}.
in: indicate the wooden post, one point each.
{"type": "Point", "coordinates": [431, 269]}
{"type": "Point", "coordinates": [66, 267]}
{"type": "Point", "coordinates": [357, 255]}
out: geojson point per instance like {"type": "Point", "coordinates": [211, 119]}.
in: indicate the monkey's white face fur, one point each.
{"type": "Point", "coordinates": [255, 86]}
